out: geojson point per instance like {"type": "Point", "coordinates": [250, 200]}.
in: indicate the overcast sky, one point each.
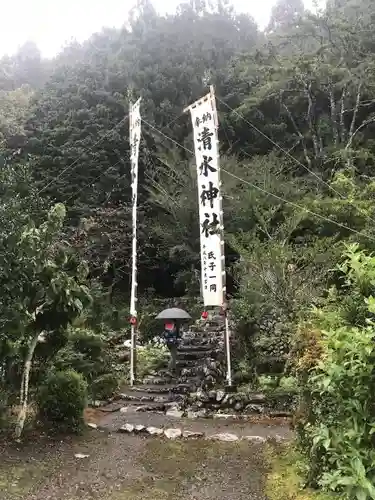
{"type": "Point", "coordinates": [52, 23]}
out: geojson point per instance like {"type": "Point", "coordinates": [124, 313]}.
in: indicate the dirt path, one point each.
{"type": "Point", "coordinates": [122, 467]}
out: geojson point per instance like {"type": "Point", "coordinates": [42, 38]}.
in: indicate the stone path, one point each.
{"type": "Point", "coordinates": [277, 429]}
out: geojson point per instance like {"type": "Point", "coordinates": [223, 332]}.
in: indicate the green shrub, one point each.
{"type": "Point", "coordinates": [104, 386]}
{"type": "Point", "coordinates": [151, 358]}
{"type": "Point", "coordinates": [62, 400]}
{"type": "Point", "coordinates": [4, 408]}
{"type": "Point", "coordinates": [337, 428]}
{"type": "Point", "coordinates": [85, 353]}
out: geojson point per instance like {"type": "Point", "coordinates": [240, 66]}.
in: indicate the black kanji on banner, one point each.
{"type": "Point", "coordinates": [205, 137]}
{"type": "Point", "coordinates": [210, 227]}
{"type": "Point", "coordinates": [209, 194]}
{"type": "Point", "coordinates": [206, 166]}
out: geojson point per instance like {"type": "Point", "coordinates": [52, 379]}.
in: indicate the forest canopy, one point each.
{"type": "Point", "coordinates": [296, 109]}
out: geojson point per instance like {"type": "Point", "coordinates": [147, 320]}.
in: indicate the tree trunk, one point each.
{"type": "Point", "coordinates": [311, 118]}
{"type": "Point", "coordinates": [301, 137]}
{"type": "Point", "coordinates": [355, 112]}
{"type": "Point", "coordinates": [24, 392]}
{"type": "Point", "coordinates": [352, 133]}
{"type": "Point", "coordinates": [342, 117]}
{"type": "Point", "coordinates": [335, 131]}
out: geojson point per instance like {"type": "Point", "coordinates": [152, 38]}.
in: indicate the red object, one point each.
{"type": "Point", "coordinates": [133, 320]}
{"type": "Point", "coordinates": [169, 326]}
{"type": "Point", "coordinates": [204, 315]}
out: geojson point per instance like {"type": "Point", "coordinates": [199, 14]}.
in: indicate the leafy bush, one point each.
{"type": "Point", "coordinates": [85, 353]}
{"type": "Point", "coordinates": [338, 434]}
{"type": "Point", "coordinates": [104, 386]}
{"type": "Point", "coordinates": [243, 368]}
{"type": "Point", "coordinates": [151, 358]}
{"type": "Point", "coordinates": [4, 396]}
{"type": "Point", "coordinates": [269, 383]}
{"type": "Point", "coordinates": [62, 400]}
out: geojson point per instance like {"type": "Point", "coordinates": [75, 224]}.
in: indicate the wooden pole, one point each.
{"type": "Point", "coordinates": [133, 294]}
{"type": "Point", "coordinates": [134, 249]}
{"type": "Point", "coordinates": [222, 248]}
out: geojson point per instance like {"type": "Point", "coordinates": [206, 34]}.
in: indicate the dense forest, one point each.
{"type": "Point", "coordinates": [296, 115]}
{"type": "Point", "coordinates": [296, 106]}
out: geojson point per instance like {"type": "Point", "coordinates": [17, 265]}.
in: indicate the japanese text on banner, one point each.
{"type": "Point", "coordinates": [207, 160]}
{"type": "Point", "coordinates": [135, 138]}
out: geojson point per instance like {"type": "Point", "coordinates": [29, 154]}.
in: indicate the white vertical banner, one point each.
{"type": "Point", "coordinates": [206, 145]}
{"type": "Point", "coordinates": [204, 119]}
{"type": "Point", "coordinates": [134, 139]}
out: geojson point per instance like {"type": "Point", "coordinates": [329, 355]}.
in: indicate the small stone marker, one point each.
{"type": "Point", "coordinates": [224, 436]}
{"type": "Point", "coordinates": [280, 439]}
{"type": "Point", "coordinates": [139, 428]}
{"type": "Point", "coordinates": [173, 433]}
{"type": "Point", "coordinates": [81, 455]}
{"type": "Point", "coordinates": [175, 412]}
{"type": "Point", "coordinates": [127, 428]}
{"type": "Point", "coordinates": [192, 434]}
{"type": "Point", "coordinates": [220, 395]}
{"type": "Point", "coordinates": [224, 416]}
{"type": "Point", "coordinates": [255, 439]}
{"type": "Point", "coordinates": [154, 431]}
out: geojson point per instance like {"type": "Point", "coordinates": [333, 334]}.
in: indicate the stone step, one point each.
{"type": "Point", "coordinates": [156, 380]}
{"type": "Point", "coordinates": [187, 349]}
{"type": "Point", "coordinates": [136, 397]}
{"type": "Point", "coordinates": [199, 343]}
{"type": "Point", "coordinates": [132, 407]}
{"type": "Point", "coordinates": [208, 327]}
{"type": "Point", "coordinates": [194, 355]}
{"type": "Point", "coordinates": [193, 371]}
{"type": "Point", "coordinates": [185, 378]}
{"type": "Point", "coordinates": [190, 363]}
{"type": "Point", "coordinates": [203, 334]}
{"type": "Point", "coordinates": [181, 388]}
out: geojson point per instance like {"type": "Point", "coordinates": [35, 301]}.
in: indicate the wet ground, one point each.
{"type": "Point", "coordinates": [114, 466]}
{"type": "Point", "coordinates": [122, 467]}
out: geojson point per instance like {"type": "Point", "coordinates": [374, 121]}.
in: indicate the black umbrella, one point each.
{"type": "Point", "coordinates": [174, 313]}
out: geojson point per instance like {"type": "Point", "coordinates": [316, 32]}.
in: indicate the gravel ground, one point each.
{"type": "Point", "coordinates": [128, 467]}
{"type": "Point", "coordinates": [122, 467]}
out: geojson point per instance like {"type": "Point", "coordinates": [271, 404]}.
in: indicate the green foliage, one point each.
{"type": "Point", "coordinates": [297, 114]}
{"type": "Point", "coordinates": [86, 353]}
{"type": "Point", "coordinates": [44, 285]}
{"type": "Point", "coordinates": [269, 383]}
{"type": "Point", "coordinates": [62, 400]}
{"type": "Point", "coordinates": [104, 386]}
{"type": "Point", "coordinates": [4, 396]}
{"type": "Point", "coordinates": [339, 428]}
{"type": "Point", "coordinates": [150, 358]}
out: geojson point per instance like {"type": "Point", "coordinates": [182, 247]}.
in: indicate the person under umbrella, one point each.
{"type": "Point", "coordinates": [171, 336]}
{"type": "Point", "coordinates": [172, 319]}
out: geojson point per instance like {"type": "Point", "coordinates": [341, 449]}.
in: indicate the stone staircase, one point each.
{"type": "Point", "coordinates": [200, 365]}
{"type": "Point", "coordinates": [198, 390]}
{"type": "Point", "coordinates": [179, 406]}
